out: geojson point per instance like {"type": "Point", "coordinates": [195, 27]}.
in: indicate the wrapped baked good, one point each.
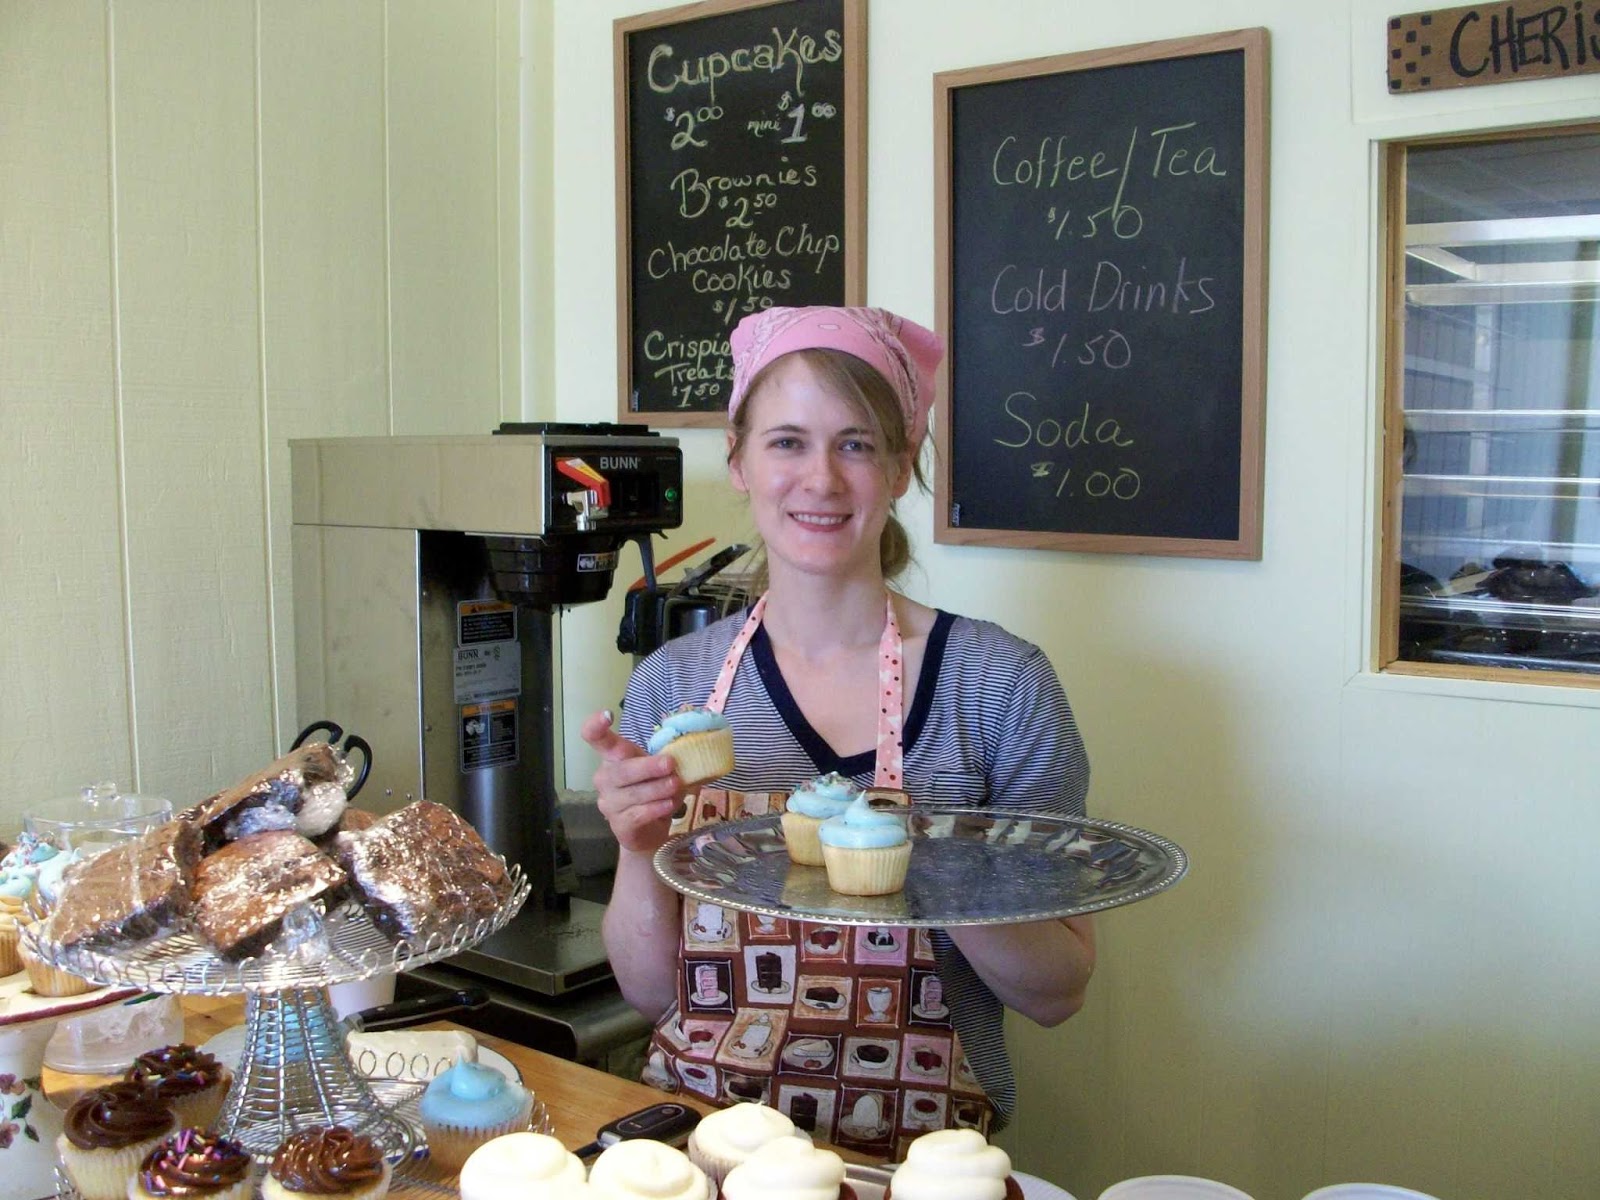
{"type": "Point", "coordinates": [305, 791]}
{"type": "Point", "coordinates": [423, 868]}
{"type": "Point", "coordinates": [136, 890]}
{"type": "Point", "coordinates": [243, 892]}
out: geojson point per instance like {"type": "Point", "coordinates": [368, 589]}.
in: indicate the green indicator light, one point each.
{"type": "Point", "coordinates": [671, 493]}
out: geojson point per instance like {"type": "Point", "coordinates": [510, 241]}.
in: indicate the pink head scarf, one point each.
{"type": "Point", "coordinates": [902, 351]}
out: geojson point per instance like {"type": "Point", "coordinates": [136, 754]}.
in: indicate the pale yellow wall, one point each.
{"type": "Point", "coordinates": [1385, 963]}
{"type": "Point", "coordinates": [223, 224]}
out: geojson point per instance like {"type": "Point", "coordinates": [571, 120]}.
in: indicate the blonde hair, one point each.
{"type": "Point", "coordinates": [877, 406]}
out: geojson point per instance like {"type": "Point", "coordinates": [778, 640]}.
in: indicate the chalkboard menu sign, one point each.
{"type": "Point", "coordinates": [1101, 242]}
{"type": "Point", "coordinates": [741, 185]}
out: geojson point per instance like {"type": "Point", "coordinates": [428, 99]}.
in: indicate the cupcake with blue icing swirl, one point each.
{"type": "Point", "coordinates": [866, 850]}
{"type": "Point", "coordinates": [698, 740]}
{"type": "Point", "coordinates": [809, 806]}
{"type": "Point", "coordinates": [469, 1105]}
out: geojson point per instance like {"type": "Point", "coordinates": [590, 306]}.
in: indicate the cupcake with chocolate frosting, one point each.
{"type": "Point", "coordinates": [327, 1161]}
{"type": "Point", "coordinates": [190, 1081]}
{"type": "Point", "coordinates": [106, 1134]}
{"type": "Point", "coordinates": [194, 1163]}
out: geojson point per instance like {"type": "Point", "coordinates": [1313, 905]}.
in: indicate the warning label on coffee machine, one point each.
{"type": "Point", "coordinates": [488, 735]}
{"type": "Point", "coordinates": [480, 621]}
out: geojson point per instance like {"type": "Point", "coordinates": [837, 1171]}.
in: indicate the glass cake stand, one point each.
{"type": "Point", "coordinates": [295, 1071]}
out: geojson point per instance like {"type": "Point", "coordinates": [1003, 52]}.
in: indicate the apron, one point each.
{"type": "Point", "coordinates": [844, 1029]}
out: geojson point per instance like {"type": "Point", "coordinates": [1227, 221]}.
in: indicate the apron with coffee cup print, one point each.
{"type": "Point", "coordinates": [842, 1028]}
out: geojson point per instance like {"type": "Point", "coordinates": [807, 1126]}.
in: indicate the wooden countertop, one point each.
{"type": "Point", "coordinates": [579, 1099]}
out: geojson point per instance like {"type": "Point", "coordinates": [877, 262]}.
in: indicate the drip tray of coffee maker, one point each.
{"type": "Point", "coordinates": [547, 951]}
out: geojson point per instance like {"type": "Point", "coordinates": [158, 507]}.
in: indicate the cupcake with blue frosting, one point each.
{"type": "Point", "coordinates": [866, 850]}
{"type": "Point", "coordinates": [468, 1105]}
{"type": "Point", "coordinates": [698, 740]}
{"type": "Point", "coordinates": [809, 806]}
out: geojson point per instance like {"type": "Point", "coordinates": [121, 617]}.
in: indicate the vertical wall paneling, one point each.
{"type": "Point", "coordinates": [324, 287]}
{"type": "Point", "coordinates": [187, 266]}
{"type": "Point", "coordinates": [63, 662]}
{"type": "Point", "coordinates": [445, 332]}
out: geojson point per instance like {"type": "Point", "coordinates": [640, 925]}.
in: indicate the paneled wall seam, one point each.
{"type": "Point", "coordinates": [125, 563]}
{"type": "Point", "coordinates": [388, 238]}
{"type": "Point", "coordinates": [499, 227]}
{"type": "Point", "coordinates": [266, 423]}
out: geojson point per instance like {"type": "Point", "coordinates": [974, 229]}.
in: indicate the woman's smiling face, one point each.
{"type": "Point", "coordinates": [820, 486]}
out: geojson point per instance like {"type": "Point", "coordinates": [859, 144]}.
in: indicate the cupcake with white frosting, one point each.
{"type": "Point", "coordinates": [523, 1164]}
{"type": "Point", "coordinates": [788, 1169]}
{"type": "Point", "coordinates": [724, 1139]}
{"type": "Point", "coordinates": [644, 1170]}
{"type": "Point", "coordinates": [954, 1164]}
{"type": "Point", "coordinates": [809, 806]}
{"type": "Point", "coordinates": [866, 850]}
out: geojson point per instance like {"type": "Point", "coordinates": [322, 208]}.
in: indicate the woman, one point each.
{"type": "Point", "coordinates": [865, 1036]}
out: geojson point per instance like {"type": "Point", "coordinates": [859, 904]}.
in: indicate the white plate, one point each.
{"type": "Point", "coordinates": [228, 1045]}
{"type": "Point", "coordinates": [869, 1183]}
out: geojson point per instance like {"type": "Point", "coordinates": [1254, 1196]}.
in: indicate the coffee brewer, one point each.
{"type": "Point", "coordinates": [427, 575]}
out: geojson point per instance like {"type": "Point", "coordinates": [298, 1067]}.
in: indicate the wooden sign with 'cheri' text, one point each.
{"type": "Point", "coordinates": [1492, 43]}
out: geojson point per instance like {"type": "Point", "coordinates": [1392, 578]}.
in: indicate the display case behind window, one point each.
{"type": "Point", "coordinates": [1492, 545]}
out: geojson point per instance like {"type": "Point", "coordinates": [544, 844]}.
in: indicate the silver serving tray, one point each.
{"type": "Point", "coordinates": [968, 867]}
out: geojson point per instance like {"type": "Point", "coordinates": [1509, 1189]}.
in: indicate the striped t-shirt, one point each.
{"type": "Point", "coordinates": [989, 725]}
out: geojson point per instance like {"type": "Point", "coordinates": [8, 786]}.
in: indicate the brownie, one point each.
{"type": "Point", "coordinates": [278, 785]}
{"type": "Point", "coordinates": [133, 891]}
{"type": "Point", "coordinates": [423, 869]}
{"type": "Point", "coordinates": [243, 892]}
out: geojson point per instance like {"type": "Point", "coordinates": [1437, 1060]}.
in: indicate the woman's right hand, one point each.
{"type": "Point", "coordinates": [638, 792]}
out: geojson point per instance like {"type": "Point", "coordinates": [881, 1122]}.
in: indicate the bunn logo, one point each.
{"type": "Point", "coordinates": [620, 463]}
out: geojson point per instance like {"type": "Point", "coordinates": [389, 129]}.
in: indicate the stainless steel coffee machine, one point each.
{"type": "Point", "coordinates": [427, 575]}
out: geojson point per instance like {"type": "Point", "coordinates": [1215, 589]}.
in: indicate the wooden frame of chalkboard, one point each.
{"type": "Point", "coordinates": [1101, 235]}
{"type": "Point", "coordinates": [741, 184]}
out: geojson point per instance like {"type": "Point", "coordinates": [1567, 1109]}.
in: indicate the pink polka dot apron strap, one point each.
{"type": "Point", "coordinates": [889, 761]}
{"type": "Point", "coordinates": [730, 665]}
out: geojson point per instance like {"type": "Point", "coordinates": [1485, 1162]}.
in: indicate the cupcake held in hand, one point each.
{"type": "Point", "coordinates": [468, 1105]}
{"type": "Point", "coordinates": [809, 806]}
{"type": "Point", "coordinates": [106, 1134]}
{"type": "Point", "coordinates": [193, 1163]}
{"type": "Point", "coordinates": [866, 850]}
{"type": "Point", "coordinates": [327, 1161]}
{"type": "Point", "coordinates": [188, 1080]}
{"type": "Point", "coordinates": [698, 740]}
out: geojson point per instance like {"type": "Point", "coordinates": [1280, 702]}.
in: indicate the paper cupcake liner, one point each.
{"type": "Point", "coordinates": [271, 1189]}
{"type": "Point", "coordinates": [104, 1174]}
{"type": "Point", "coordinates": [10, 950]}
{"type": "Point", "coordinates": [451, 1145]}
{"type": "Point", "coordinates": [702, 756]}
{"type": "Point", "coordinates": [243, 1190]}
{"type": "Point", "coordinates": [800, 835]}
{"type": "Point", "coordinates": [872, 872]}
{"type": "Point", "coordinates": [200, 1110]}
{"type": "Point", "coordinates": [49, 981]}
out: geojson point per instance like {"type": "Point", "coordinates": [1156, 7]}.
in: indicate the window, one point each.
{"type": "Point", "coordinates": [1490, 561]}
